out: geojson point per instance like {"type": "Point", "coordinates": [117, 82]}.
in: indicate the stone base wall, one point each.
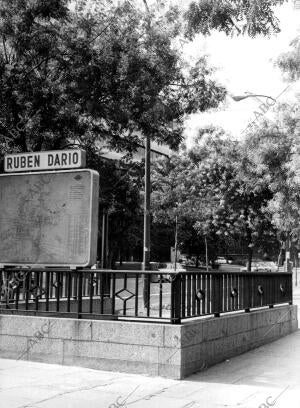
{"type": "Point", "coordinates": [218, 339]}
{"type": "Point", "coordinates": [173, 351]}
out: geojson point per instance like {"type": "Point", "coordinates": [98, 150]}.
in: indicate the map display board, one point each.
{"type": "Point", "coordinates": [49, 218]}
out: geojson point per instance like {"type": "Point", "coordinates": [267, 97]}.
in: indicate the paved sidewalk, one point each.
{"type": "Point", "coordinates": [266, 376]}
{"type": "Point", "coordinates": [245, 382]}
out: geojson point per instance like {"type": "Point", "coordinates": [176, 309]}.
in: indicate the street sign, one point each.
{"type": "Point", "coordinates": [47, 160]}
{"type": "Point", "coordinates": [49, 218]}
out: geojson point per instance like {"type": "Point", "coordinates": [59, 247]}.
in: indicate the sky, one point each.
{"type": "Point", "coordinates": [245, 65]}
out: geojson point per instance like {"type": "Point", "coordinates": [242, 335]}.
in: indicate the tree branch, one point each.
{"type": "Point", "coordinates": [4, 48]}
{"type": "Point", "coordinates": [146, 6]}
{"type": "Point", "coordinates": [37, 66]}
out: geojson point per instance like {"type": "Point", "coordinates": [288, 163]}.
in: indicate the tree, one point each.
{"type": "Point", "coordinates": [238, 194]}
{"type": "Point", "coordinates": [286, 206]}
{"type": "Point", "coordinates": [274, 149]}
{"type": "Point", "coordinates": [218, 190]}
{"type": "Point", "coordinates": [79, 76]}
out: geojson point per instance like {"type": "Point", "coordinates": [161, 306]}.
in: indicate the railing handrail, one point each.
{"type": "Point", "coordinates": [139, 271]}
{"type": "Point", "coordinates": [216, 272]}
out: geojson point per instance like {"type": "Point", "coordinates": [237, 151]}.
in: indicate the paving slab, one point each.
{"type": "Point", "coordinates": [246, 381]}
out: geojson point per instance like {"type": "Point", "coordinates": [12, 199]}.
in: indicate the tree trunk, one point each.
{"type": "Point", "coordinates": [288, 253]}
{"type": "Point", "coordinates": [206, 252]}
{"type": "Point", "coordinates": [120, 254]}
{"type": "Point", "coordinates": [250, 250]}
{"type": "Point", "coordinates": [279, 256]}
{"type": "Point", "coordinates": [250, 253]}
{"type": "Point", "coordinates": [112, 258]}
{"type": "Point", "coordinates": [175, 245]}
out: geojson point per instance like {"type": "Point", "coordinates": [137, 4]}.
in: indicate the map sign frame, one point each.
{"type": "Point", "coordinates": [44, 160]}
{"type": "Point", "coordinates": [49, 218]}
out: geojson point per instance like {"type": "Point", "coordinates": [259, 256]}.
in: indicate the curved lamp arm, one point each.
{"type": "Point", "coordinates": [238, 98]}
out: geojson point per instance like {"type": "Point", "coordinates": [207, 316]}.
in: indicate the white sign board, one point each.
{"type": "Point", "coordinates": [49, 218]}
{"type": "Point", "coordinates": [48, 160]}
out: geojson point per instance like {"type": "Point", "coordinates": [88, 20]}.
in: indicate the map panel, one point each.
{"type": "Point", "coordinates": [49, 218]}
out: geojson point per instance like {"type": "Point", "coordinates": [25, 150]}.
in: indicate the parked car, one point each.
{"type": "Point", "coordinates": [168, 272]}
{"type": "Point", "coordinates": [222, 260]}
{"type": "Point", "coordinates": [261, 266]}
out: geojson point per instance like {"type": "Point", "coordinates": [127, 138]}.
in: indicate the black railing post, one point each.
{"type": "Point", "coordinates": [91, 292]}
{"type": "Point", "coordinates": [6, 288]}
{"type": "Point", "coordinates": [69, 288]}
{"type": "Point", "coordinates": [47, 289]}
{"type": "Point", "coordinates": [216, 295]}
{"type": "Point", "coordinates": [290, 288]}
{"type": "Point", "coordinates": [79, 294]}
{"type": "Point", "coordinates": [37, 286]}
{"type": "Point", "coordinates": [57, 290]}
{"type": "Point", "coordinates": [175, 299]}
{"type": "Point", "coordinates": [113, 295]}
{"type": "Point", "coordinates": [102, 285]}
{"type": "Point", "coordinates": [17, 297]}
{"type": "Point", "coordinates": [26, 285]}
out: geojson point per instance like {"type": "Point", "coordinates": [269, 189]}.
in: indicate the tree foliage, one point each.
{"type": "Point", "coordinates": [275, 150]}
{"type": "Point", "coordinates": [217, 191]}
{"type": "Point", "coordinates": [289, 62]}
{"type": "Point", "coordinates": [79, 76]}
{"type": "Point", "coordinates": [253, 18]}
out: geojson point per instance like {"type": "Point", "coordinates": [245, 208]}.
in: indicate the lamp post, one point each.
{"type": "Point", "coordinates": [238, 98]}
{"type": "Point", "coordinates": [146, 242]}
{"type": "Point", "coordinates": [176, 240]}
{"type": "Point", "coordinates": [146, 250]}
{"type": "Point", "coordinates": [177, 210]}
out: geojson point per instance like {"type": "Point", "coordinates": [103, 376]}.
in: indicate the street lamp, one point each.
{"type": "Point", "coordinates": [146, 249]}
{"type": "Point", "coordinates": [238, 98]}
{"type": "Point", "coordinates": [146, 241]}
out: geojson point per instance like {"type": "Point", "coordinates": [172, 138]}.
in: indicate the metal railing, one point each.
{"type": "Point", "coordinates": [115, 294]}
{"type": "Point", "coordinates": [214, 293]}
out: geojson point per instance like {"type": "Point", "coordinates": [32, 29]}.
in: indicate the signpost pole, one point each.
{"type": "Point", "coordinates": [146, 249]}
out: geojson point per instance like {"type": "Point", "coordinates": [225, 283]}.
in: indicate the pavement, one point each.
{"type": "Point", "coordinates": [264, 377]}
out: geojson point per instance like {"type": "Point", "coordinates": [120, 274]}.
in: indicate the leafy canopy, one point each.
{"type": "Point", "coordinates": [88, 74]}
{"type": "Point", "coordinates": [216, 190]}
{"type": "Point", "coordinates": [254, 17]}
